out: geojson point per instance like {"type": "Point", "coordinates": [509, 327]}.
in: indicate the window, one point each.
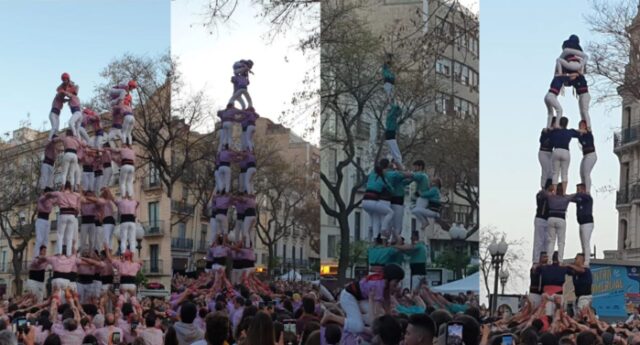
{"type": "Point", "coordinates": [357, 225]}
{"type": "Point", "coordinates": [284, 252]}
{"type": "Point", "coordinates": [185, 192]}
{"type": "Point", "coordinates": [204, 228]}
{"type": "Point", "coordinates": [154, 176]}
{"type": "Point", "coordinates": [182, 230]}
{"type": "Point", "coordinates": [154, 254]}
{"type": "Point", "coordinates": [443, 66]}
{"type": "Point", "coordinates": [293, 253]}
{"type": "Point", "coordinates": [154, 215]}
{"type": "Point", "coordinates": [464, 77]}
{"type": "Point", "coordinates": [331, 246]}
{"type": "Point", "coordinates": [442, 103]}
{"type": "Point", "coordinates": [264, 259]}
{"type": "Point", "coordinates": [301, 252]}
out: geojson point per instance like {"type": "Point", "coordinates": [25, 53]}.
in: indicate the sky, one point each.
{"type": "Point", "coordinates": [519, 45]}
{"type": "Point", "coordinates": [42, 39]}
{"type": "Point", "coordinates": [206, 59]}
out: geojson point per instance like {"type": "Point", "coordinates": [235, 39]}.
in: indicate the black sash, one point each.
{"type": "Point", "coordinates": [37, 275]}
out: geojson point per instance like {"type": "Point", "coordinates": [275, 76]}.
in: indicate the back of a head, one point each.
{"type": "Point", "coordinates": [261, 330]}
{"type": "Point", "coordinates": [393, 272]}
{"type": "Point", "coordinates": [127, 309]}
{"type": "Point", "coordinates": [548, 339]}
{"type": "Point", "coordinates": [424, 324]}
{"type": "Point", "coordinates": [188, 312]}
{"type": "Point", "coordinates": [150, 320]}
{"type": "Point", "coordinates": [308, 305]}
{"type": "Point", "coordinates": [309, 328]}
{"type": "Point", "coordinates": [217, 329]}
{"type": "Point", "coordinates": [90, 339]}
{"type": "Point", "coordinates": [529, 336]}
{"type": "Point", "coordinates": [171, 337]}
{"type": "Point", "coordinates": [564, 122]}
{"type": "Point", "coordinates": [538, 325]}
{"type": "Point", "coordinates": [474, 312]}
{"type": "Point", "coordinates": [586, 338]}
{"type": "Point", "coordinates": [313, 338]}
{"type": "Point", "coordinates": [332, 334]}
{"type": "Point", "coordinates": [389, 330]}
{"type": "Point", "coordinates": [8, 338]}
{"type": "Point", "coordinates": [470, 330]}
{"type": "Point", "coordinates": [441, 316]}
{"type": "Point", "coordinates": [52, 339]}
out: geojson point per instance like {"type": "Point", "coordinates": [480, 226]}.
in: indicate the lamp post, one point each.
{"type": "Point", "coordinates": [458, 235]}
{"type": "Point", "coordinates": [139, 236]}
{"type": "Point", "coordinates": [504, 277]}
{"type": "Point", "coordinates": [497, 251]}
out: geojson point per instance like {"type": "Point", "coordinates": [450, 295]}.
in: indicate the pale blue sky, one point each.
{"type": "Point", "coordinates": [41, 39]}
{"type": "Point", "coordinates": [206, 59]}
{"type": "Point", "coordinates": [519, 44]}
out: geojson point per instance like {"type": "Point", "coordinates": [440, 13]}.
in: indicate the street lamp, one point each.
{"type": "Point", "coordinates": [497, 251]}
{"type": "Point", "coordinates": [139, 236]}
{"type": "Point", "coordinates": [504, 277]}
{"type": "Point", "coordinates": [458, 235]}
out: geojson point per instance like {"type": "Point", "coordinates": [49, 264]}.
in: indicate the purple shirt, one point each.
{"type": "Point", "coordinates": [226, 156]}
{"type": "Point", "coordinates": [375, 287]}
{"type": "Point", "coordinates": [250, 118]}
{"type": "Point", "coordinates": [221, 202]}
{"type": "Point", "coordinates": [248, 158]}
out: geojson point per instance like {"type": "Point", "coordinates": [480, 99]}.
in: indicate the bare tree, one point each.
{"type": "Point", "coordinates": [615, 56]}
{"type": "Point", "coordinates": [514, 260]}
{"type": "Point", "coordinates": [353, 106]}
{"type": "Point", "coordinates": [20, 191]}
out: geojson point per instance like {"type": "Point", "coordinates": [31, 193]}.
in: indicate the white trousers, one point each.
{"type": "Point", "coordinates": [213, 230]}
{"type": "Point", "coordinates": [128, 234]}
{"type": "Point", "coordinates": [85, 292]}
{"type": "Point", "coordinates": [107, 231]}
{"type": "Point", "coordinates": [82, 132]}
{"type": "Point", "coordinates": [550, 307]}
{"type": "Point", "coordinates": [378, 211]}
{"type": "Point", "coordinates": [248, 230]}
{"type": "Point", "coordinates": [61, 284]}
{"type": "Point", "coordinates": [218, 180]}
{"type": "Point", "coordinates": [247, 138]}
{"type": "Point", "coordinates": [127, 128]}
{"type": "Point", "coordinates": [398, 217]}
{"type": "Point", "coordinates": [88, 237]}
{"type": "Point", "coordinates": [127, 173]}
{"type": "Point", "coordinates": [422, 213]}
{"type": "Point", "coordinates": [106, 178]}
{"type": "Point", "coordinates": [585, 241]}
{"type": "Point", "coordinates": [46, 176]}
{"type": "Point", "coordinates": [98, 183]}
{"type": "Point", "coordinates": [546, 167]}
{"type": "Point", "coordinates": [224, 172]}
{"type": "Point", "coordinates": [539, 238]}
{"type": "Point", "coordinates": [55, 124]}
{"type": "Point", "coordinates": [98, 239]}
{"type": "Point", "coordinates": [556, 230]}
{"type": "Point", "coordinates": [394, 150]}
{"type": "Point", "coordinates": [88, 181]}
{"type": "Point", "coordinates": [388, 89]}
{"type": "Point", "coordinates": [67, 229]}
{"type": "Point", "coordinates": [353, 322]}
{"type": "Point", "coordinates": [248, 180]}
{"type": "Point", "coordinates": [225, 135]}
{"type": "Point", "coordinates": [222, 223]}
{"type": "Point", "coordinates": [70, 167]}
{"type": "Point", "coordinates": [586, 166]}
{"type": "Point", "coordinates": [553, 105]}
{"type": "Point", "coordinates": [237, 96]}
{"type": "Point", "coordinates": [561, 159]}
{"type": "Point", "coordinates": [583, 104]}
{"type": "Point", "coordinates": [115, 133]}
{"type": "Point", "coordinates": [74, 123]}
{"type": "Point", "coordinates": [43, 227]}
{"type": "Point", "coordinates": [37, 288]}
{"type": "Point", "coordinates": [241, 187]}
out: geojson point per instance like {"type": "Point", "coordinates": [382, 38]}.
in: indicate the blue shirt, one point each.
{"type": "Point", "coordinates": [586, 140]}
{"type": "Point", "coordinates": [396, 182]}
{"type": "Point", "coordinates": [422, 182]}
{"type": "Point", "coordinates": [391, 123]}
{"type": "Point", "coordinates": [387, 75]}
{"type": "Point", "coordinates": [560, 138]}
{"type": "Point", "coordinates": [584, 207]}
{"type": "Point", "coordinates": [542, 207]}
{"type": "Point", "coordinates": [553, 275]}
{"type": "Point", "coordinates": [545, 141]}
{"type": "Point", "coordinates": [582, 282]}
{"type": "Point", "coordinates": [375, 183]}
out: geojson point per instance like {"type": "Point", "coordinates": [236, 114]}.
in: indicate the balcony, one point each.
{"type": "Point", "coordinates": [152, 267]}
{"type": "Point", "coordinates": [153, 228]}
{"type": "Point", "coordinates": [622, 197]}
{"type": "Point", "coordinates": [202, 247]}
{"type": "Point", "coordinates": [626, 136]}
{"type": "Point", "coordinates": [181, 207]}
{"type": "Point", "coordinates": [178, 243]}
{"type": "Point", "coordinates": [151, 184]}
{"type": "Point", "coordinates": [25, 229]}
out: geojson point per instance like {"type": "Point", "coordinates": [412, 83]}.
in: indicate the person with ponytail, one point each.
{"type": "Point", "coordinates": [589, 157]}
{"type": "Point", "coordinates": [376, 200]}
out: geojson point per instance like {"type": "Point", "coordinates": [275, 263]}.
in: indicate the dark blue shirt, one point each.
{"type": "Point", "coordinates": [582, 282]}
{"type": "Point", "coordinates": [534, 275]}
{"type": "Point", "coordinates": [584, 207]}
{"type": "Point", "coordinates": [560, 137]}
{"type": "Point", "coordinates": [586, 140]}
{"type": "Point", "coordinates": [553, 275]}
{"type": "Point", "coordinates": [542, 207]}
{"type": "Point", "coordinates": [545, 141]}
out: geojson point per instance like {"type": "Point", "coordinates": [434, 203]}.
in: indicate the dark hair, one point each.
{"type": "Point", "coordinates": [171, 337]}
{"type": "Point", "coordinates": [548, 339]}
{"type": "Point", "coordinates": [553, 120]}
{"type": "Point", "coordinates": [127, 309]}
{"type": "Point", "coordinates": [470, 330]}
{"type": "Point", "coordinates": [529, 336]}
{"type": "Point", "coordinates": [150, 320]}
{"type": "Point", "coordinates": [308, 305]}
{"type": "Point", "coordinates": [389, 329]}
{"type": "Point", "coordinates": [260, 331]}
{"type": "Point", "coordinates": [419, 163]}
{"type": "Point", "coordinates": [379, 168]}
{"type": "Point", "coordinates": [393, 272]}
{"type": "Point", "coordinates": [90, 339]}
{"type": "Point", "coordinates": [440, 316]}
{"type": "Point", "coordinates": [559, 189]}
{"type": "Point", "coordinates": [309, 328]}
{"type": "Point", "coordinates": [217, 329]}
{"type": "Point", "coordinates": [52, 339]}
{"type": "Point", "coordinates": [278, 328]}
{"type": "Point", "coordinates": [48, 189]}
{"type": "Point", "coordinates": [555, 257]}
{"type": "Point", "coordinates": [425, 323]}
{"type": "Point", "coordinates": [188, 312]}
{"type": "Point", "coordinates": [474, 312]}
{"type": "Point", "coordinates": [313, 338]}
{"type": "Point", "coordinates": [564, 122]}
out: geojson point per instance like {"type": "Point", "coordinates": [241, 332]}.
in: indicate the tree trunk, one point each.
{"type": "Point", "coordinates": [270, 263]}
{"type": "Point", "coordinates": [17, 271]}
{"type": "Point", "coordinates": [343, 262]}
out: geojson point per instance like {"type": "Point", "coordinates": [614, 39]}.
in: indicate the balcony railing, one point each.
{"type": "Point", "coordinates": [181, 207]}
{"type": "Point", "coordinates": [181, 243]}
{"type": "Point", "coordinates": [626, 136]}
{"type": "Point", "coordinates": [202, 247]}
{"type": "Point", "coordinates": [19, 231]}
{"type": "Point", "coordinates": [153, 228]}
{"type": "Point", "coordinates": [150, 184]}
{"type": "Point", "coordinates": [622, 196]}
{"type": "Point", "coordinates": [152, 267]}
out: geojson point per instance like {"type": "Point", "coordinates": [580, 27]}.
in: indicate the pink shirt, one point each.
{"type": "Point", "coordinates": [107, 208]}
{"type": "Point", "coordinates": [50, 150]}
{"type": "Point", "coordinates": [126, 153]}
{"type": "Point", "coordinates": [66, 337]}
{"type": "Point", "coordinates": [88, 209]}
{"type": "Point", "coordinates": [152, 336]}
{"type": "Point", "coordinates": [45, 204]}
{"type": "Point", "coordinates": [107, 269]}
{"type": "Point", "coordinates": [104, 334]}
{"type": "Point", "coordinates": [127, 268]}
{"type": "Point", "coordinates": [40, 335]}
{"type": "Point", "coordinates": [250, 202]}
{"type": "Point", "coordinates": [84, 268]}
{"type": "Point", "coordinates": [38, 265]}
{"type": "Point", "coordinates": [126, 329]}
{"type": "Point", "coordinates": [106, 157]}
{"type": "Point", "coordinates": [74, 101]}
{"type": "Point", "coordinates": [87, 159]}
{"type": "Point", "coordinates": [218, 251]}
{"type": "Point", "coordinates": [127, 206]}
{"type": "Point", "coordinates": [67, 199]}
{"type": "Point", "coordinates": [71, 143]}
{"type": "Point", "coordinates": [63, 263]}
